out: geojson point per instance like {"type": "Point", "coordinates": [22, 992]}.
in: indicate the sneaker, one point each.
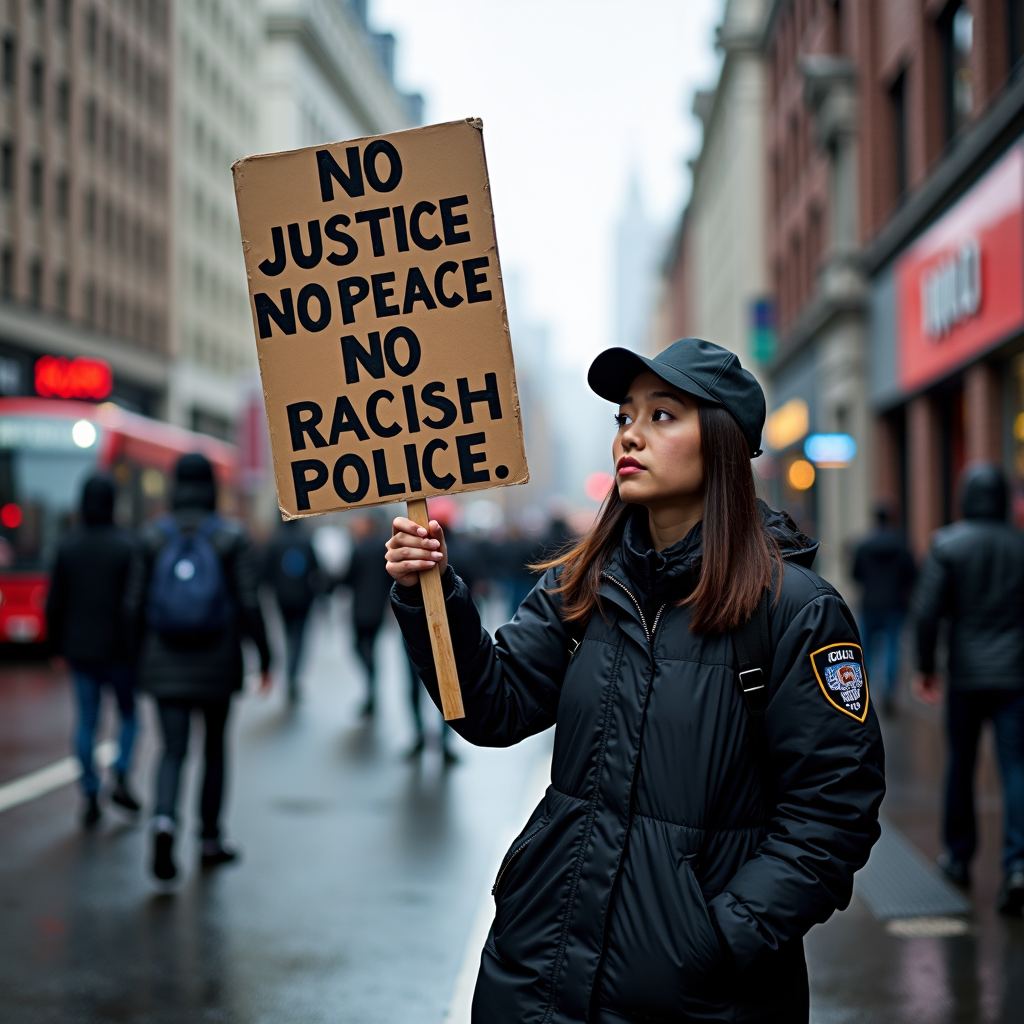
{"type": "Point", "coordinates": [92, 813]}
{"type": "Point", "coordinates": [164, 867]}
{"type": "Point", "coordinates": [1011, 898]}
{"type": "Point", "coordinates": [956, 871]}
{"type": "Point", "coordinates": [123, 796]}
{"type": "Point", "coordinates": [218, 851]}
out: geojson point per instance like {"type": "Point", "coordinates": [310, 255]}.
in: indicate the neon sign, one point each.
{"type": "Point", "coordinates": [60, 377]}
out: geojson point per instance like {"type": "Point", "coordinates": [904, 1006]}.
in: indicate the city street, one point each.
{"type": "Point", "coordinates": [365, 879]}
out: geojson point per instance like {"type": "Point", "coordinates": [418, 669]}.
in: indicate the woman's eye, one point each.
{"type": "Point", "coordinates": [661, 415]}
{"type": "Point", "coordinates": [621, 419]}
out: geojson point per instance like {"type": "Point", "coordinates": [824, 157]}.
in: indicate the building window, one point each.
{"type": "Point", "coordinates": [62, 293]}
{"type": "Point", "coordinates": [91, 32]}
{"type": "Point", "coordinates": [90, 123]}
{"type": "Point", "coordinates": [7, 272]}
{"type": "Point", "coordinates": [956, 28]}
{"type": "Point", "coordinates": [89, 304]}
{"type": "Point", "coordinates": [7, 167]}
{"type": "Point", "coordinates": [35, 184]}
{"type": "Point", "coordinates": [9, 61]}
{"type": "Point", "coordinates": [37, 83]}
{"type": "Point", "coordinates": [89, 214]}
{"type": "Point", "coordinates": [35, 283]}
{"type": "Point", "coordinates": [1014, 33]}
{"type": "Point", "coordinates": [63, 198]}
{"type": "Point", "coordinates": [898, 100]}
{"type": "Point", "coordinates": [63, 101]}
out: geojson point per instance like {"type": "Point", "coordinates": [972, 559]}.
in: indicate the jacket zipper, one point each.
{"type": "Point", "coordinates": [513, 856]}
{"type": "Point", "coordinates": [649, 633]}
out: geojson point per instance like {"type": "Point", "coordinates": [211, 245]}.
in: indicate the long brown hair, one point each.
{"type": "Point", "coordinates": [737, 553]}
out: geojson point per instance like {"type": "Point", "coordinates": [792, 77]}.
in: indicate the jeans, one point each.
{"type": "Point", "coordinates": [175, 722]}
{"type": "Point", "coordinates": [294, 632]}
{"type": "Point", "coordinates": [89, 685]}
{"type": "Point", "coordinates": [416, 692]}
{"type": "Point", "coordinates": [889, 625]}
{"type": "Point", "coordinates": [966, 713]}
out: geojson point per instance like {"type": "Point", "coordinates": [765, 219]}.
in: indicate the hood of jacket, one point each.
{"type": "Point", "coordinates": [983, 492]}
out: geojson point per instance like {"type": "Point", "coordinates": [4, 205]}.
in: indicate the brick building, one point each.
{"type": "Point", "coordinates": [896, 249]}
{"type": "Point", "coordinates": [84, 189]}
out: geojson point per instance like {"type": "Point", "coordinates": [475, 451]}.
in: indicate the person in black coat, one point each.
{"type": "Point", "coordinates": [698, 822]}
{"type": "Point", "coordinates": [370, 584]}
{"type": "Point", "coordinates": [84, 616]}
{"type": "Point", "coordinates": [291, 570]}
{"type": "Point", "coordinates": [973, 579]}
{"type": "Point", "coordinates": [194, 667]}
{"type": "Point", "coordinates": [884, 567]}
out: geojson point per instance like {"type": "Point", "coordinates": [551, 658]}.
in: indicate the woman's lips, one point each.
{"type": "Point", "coordinates": [628, 467]}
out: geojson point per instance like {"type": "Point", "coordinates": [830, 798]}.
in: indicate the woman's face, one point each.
{"type": "Point", "coordinates": [657, 448]}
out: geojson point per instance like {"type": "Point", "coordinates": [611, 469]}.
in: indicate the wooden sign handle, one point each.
{"type": "Point", "coordinates": [437, 623]}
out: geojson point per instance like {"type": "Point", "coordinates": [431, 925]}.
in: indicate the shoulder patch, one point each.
{"type": "Point", "coordinates": [839, 669]}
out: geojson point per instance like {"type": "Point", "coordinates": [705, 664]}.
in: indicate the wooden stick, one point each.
{"type": "Point", "coordinates": [437, 622]}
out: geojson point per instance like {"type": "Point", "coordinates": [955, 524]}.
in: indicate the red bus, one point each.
{"type": "Point", "coordinates": [48, 448]}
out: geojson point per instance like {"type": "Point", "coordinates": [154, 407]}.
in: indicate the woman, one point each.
{"type": "Point", "coordinates": [686, 843]}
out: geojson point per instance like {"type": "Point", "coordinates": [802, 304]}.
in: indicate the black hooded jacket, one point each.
{"type": "Point", "coordinates": [84, 612]}
{"type": "Point", "coordinates": [974, 579]}
{"type": "Point", "coordinates": [656, 881]}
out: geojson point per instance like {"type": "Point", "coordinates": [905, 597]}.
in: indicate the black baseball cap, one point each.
{"type": "Point", "coordinates": [700, 368]}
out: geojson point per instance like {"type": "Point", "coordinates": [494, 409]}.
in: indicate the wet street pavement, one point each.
{"type": "Point", "coordinates": [366, 877]}
{"type": "Point", "coordinates": [361, 878]}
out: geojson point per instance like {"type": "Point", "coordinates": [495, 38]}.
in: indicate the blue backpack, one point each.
{"type": "Point", "coordinates": [187, 592]}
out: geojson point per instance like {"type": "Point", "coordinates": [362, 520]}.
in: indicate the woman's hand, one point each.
{"type": "Point", "coordinates": [413, 549]}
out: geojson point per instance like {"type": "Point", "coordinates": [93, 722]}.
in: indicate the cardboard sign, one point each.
{"type": "Point", "coordinates": [380, 319]}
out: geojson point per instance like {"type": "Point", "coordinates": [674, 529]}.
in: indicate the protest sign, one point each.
{"type": "Point", "coordinates": [380, 322]}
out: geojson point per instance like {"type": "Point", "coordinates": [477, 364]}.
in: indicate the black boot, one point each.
{"type": "Point", "coordinates": [92, 813]}
{"type": "Point", "coordinates": [164, 867]}
{"type": "Point", "coordinates": [123, 796]}
{"type": "Point", "coordinates": [218, 851]}
{"type": "Point", "coordinates": [1011, 898]}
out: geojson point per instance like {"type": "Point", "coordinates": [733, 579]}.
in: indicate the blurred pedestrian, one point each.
{"type": "Point", "coordinates": [192, 597]}
{"type": "Point", "coordinates": [85, 622]}
{"type": "Point", "coordinates": [973, 579]}
{"type": "Point", "coordinates": [291, 570]}
{"type": "Point", "coordinates": [717, 766]}
{"type": "Point", "coordinates": [415, 704]}
{"type": "Point", "coordinates": [370, 584]}
{"type": "Point", "coordinates": [884, 567]}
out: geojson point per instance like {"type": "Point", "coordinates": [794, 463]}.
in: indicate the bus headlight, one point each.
{"type": "Point", "coordinates": [83, 433]}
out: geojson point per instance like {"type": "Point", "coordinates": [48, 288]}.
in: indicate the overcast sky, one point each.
{"type": "Point", "coordinates": [575, 95]}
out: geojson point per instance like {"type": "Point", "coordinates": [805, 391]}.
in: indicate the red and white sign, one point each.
{"type": "Point", "coordinates": [960, 286]}
{"type": "Point", "coordinates": [60, 377]}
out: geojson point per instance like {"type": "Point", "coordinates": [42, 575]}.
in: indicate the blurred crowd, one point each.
{"type": "Point", "coordinates": [171, 610]}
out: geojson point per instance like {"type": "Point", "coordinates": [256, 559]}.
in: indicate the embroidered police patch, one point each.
{"type": "Point", "coordinates": [841, 676]}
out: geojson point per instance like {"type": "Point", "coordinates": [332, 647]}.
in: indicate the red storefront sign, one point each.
{"type": "Point", "coordinates": [60, 377]}
{"type": "Point", "coordinates": [960, 286]}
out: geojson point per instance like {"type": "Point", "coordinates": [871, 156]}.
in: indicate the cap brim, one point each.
{"type": "Point", "coordinates": [612, 372]}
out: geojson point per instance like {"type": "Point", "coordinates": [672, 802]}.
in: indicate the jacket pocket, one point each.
{"type": "Point", "coordinates": [516, 851]}
{"type": "Point", "coordinates": [663, 958]}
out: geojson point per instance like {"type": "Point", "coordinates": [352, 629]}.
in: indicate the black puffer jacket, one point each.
{"type": "Point", "coordinates": [974, 578]}
{"type": "Point", "coordinates": [204, 667]}
{"type": "Point", "coordinates": [648, 885]}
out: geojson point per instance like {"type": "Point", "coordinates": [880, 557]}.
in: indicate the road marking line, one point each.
{"type": "Point", "coordinates": [461, 1004]}
{"type": "Point", "coordinates": [54, 776]}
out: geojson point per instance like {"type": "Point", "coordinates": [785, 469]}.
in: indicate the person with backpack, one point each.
{"type": "Point", "coordinates": [717, 766]}
{"type": "Point", "coordinates": [291, 569]}
{"type": "Point", "coordinates": [191, 596]}
{"type": "Point", "coordinates": [85, 624]}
